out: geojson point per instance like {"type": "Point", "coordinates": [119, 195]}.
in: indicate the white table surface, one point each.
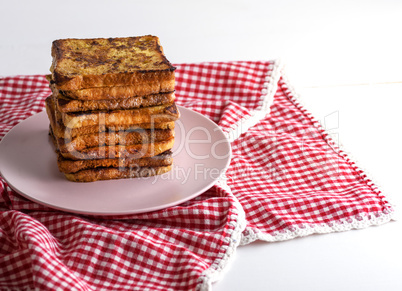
{"type": "Point", "coordinates": [343, 57]}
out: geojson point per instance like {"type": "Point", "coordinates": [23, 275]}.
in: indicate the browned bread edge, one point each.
{"type": "Point", "coordinates": [98, 174]}
{"type": "Point", "coordinates": [73, 166]}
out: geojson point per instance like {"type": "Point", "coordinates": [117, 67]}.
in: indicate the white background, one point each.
{"type": "Point", "coordinates": [343, 57]}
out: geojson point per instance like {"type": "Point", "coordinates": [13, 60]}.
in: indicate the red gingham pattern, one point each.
{"type": "Point", "coordinates": [21, 97]}
{"type": "Point", "coordinates": [288, 174]}
{"type": "Point", "coordinates": [286, 179]}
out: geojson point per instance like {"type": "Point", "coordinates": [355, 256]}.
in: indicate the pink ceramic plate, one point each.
{"type": "Point", "coordinates": [28, 164]}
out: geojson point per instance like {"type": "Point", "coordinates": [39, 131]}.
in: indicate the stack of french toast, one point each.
{"type": "Point", "coordinates": [112, 111]}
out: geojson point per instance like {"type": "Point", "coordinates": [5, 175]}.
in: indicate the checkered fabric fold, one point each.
{"type": "Point", "coordinates": [287, 179]}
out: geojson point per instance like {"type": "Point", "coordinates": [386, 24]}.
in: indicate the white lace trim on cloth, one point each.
{"type": "Point", "coordinates": [217, 269]}
{"type": "Point", "coordinates": [270, 87]}
{"type": "Point", "coordinates": [238, 236]}
{"type": "Point", "coordinates": [356, 222]}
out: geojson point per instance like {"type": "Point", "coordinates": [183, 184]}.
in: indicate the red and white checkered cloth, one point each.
{"type": "Point", "coordinates": [287, 179]}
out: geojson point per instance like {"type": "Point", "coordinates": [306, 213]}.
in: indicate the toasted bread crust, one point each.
{"type": "Point", "coordinates": [60, 131]}
{"type": "Point", "coordinates": [65, 104]}
{"type": "Point", "coordinates": [114, 138]}
{"type": "Point", "coordinates": [97, 174]}
{"type": "Point", "coordinates": [135, 151]}
{"type": "Point", "coordinates": [159, 81]}
{"type": "Point", "coordinates": [72, 166]}
{"type": "Point", "coordinates": [91, 87]}
{"type": "Point", "coordinates": [63, 132]}
{"type": "Point", "coordinates": [154, 114]}
{"type": "Point", "coordinates": [103, 62]}
{"type": "Point", "coordinates": [119, 92]}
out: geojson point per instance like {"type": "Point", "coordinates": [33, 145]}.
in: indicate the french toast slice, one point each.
{"type": "Point", "coordinates": [73, 166]}
{"type": "Point", "coordinates": [65, 104]}
{"type": "Point", "coordinates": [135, 151]}
{"type": "Point", "coordinates": [98, 174]}
{"type": "Point", "coordinates": [118, 92]}
{"type": "Point", "coordinates": [113, 92]}
{"type": "Point", "coordinates": [60, 131]}
{"type": "Point", "coordinates": [153, 114]}
{"type": "Point", "coordinates": [124, 138]}
{"type": "Point", "coordinates": [105, 62]}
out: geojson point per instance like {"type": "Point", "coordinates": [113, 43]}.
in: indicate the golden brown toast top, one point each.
{"type": "Point", "coordinates": [102, 56]}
